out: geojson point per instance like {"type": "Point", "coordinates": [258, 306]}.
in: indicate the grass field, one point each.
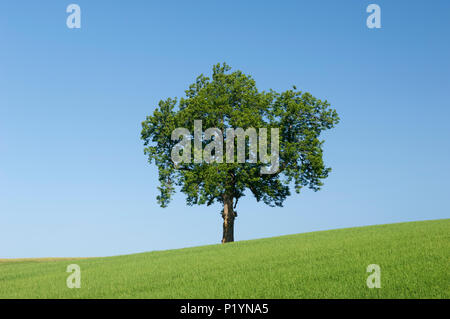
{"type": "Point", "coordinates": [414, 261]}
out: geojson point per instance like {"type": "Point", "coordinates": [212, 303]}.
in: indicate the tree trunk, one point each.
{"type": "Point", "coordinates": [228, 220]}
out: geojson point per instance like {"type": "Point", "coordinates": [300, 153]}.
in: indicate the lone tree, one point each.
{"type": "Point", "coordinates": [230, 100]}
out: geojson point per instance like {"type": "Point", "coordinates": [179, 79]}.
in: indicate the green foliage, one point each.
{"type": "Point", "coordinates": [231, 100]}
{"type": "Point", "coordinates": [413, 257]}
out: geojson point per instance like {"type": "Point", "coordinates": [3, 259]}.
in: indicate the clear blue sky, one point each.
{"type": "Point", "coordinates": [73, 177]}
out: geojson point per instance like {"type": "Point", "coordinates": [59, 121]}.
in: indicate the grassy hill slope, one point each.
{"type": "Point", "coordinates": [414, 261]}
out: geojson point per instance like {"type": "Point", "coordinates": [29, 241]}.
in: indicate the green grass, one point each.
{"type": "Point", "coordinates": [414, 261]}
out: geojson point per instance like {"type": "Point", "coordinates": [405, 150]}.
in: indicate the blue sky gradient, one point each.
{"type": "Point", "coordinates": [73, 177]}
